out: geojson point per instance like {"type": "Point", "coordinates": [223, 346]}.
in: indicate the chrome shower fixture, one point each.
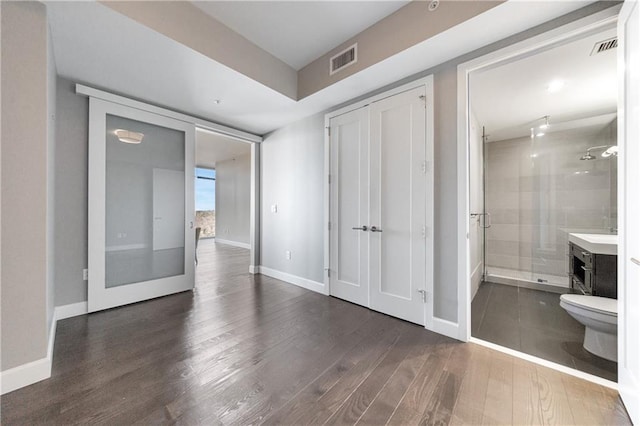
{"type": "Point", "coordinates": [610, 150]}
{"type": "Point", "coordinates": [588, 156]}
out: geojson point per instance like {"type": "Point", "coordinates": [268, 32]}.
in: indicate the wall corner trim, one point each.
{"type": "Point", "coordinates": [40, 369]}
{"type": "Point", "coordinates": [293, 279]}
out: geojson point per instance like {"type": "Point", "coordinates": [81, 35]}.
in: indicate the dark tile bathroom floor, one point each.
{"type": "Point", "coordinates": [532, 321]}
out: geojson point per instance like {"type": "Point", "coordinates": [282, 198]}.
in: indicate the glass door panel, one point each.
{"type": "Point", "coordinates": [141, 209]}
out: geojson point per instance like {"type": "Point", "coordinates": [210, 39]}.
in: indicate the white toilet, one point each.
{"type": "Point", "coordinates": [600, 318]}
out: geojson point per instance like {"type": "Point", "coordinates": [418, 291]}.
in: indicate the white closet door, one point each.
{"type": "Point", "coordinates": [398, 206]}
{"type": "Point", "coordinates": [349, 275]}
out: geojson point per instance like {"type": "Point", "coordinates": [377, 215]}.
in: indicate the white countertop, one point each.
{"type": "Point", "coordinates": [596, 243]}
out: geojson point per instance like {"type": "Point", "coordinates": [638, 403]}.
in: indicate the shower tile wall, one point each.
{"type": "Point", "coordinates": [538, 192]}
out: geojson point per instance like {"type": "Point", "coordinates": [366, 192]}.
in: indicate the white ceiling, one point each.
{"type": "Point", "coordinates": [299, 32]}
{"type": "Point", "coordinates": [212, 148]}
{"type": "Point", "coordinates": [99, 47]}
{"type": "Point", "coordinates": [510, 99]}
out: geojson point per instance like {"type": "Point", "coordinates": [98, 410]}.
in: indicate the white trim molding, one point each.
{"type": "Point", "coordinates": [233, 243]}
{"type": "Point", "coordinates": [40, 369]}
{"type": "Point", "coordinates": [71, 310]}
{"type": "Point", "coordinates": [31, 372]}
{"type": "Point", "coordinates": [293, 279]}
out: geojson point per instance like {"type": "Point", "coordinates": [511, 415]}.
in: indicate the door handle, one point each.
{"type": "Point", "coordinates": [360, 228]}
{"type": "Point", "coordinates": [487, 216]}
{"type": "Point", "coordinates": [374, 229]}
{"type": "Point", "coordinates": [636, 261]}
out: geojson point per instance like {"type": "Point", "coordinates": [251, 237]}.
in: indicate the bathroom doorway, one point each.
{"type": "Point", "coordinates": [543, 175]}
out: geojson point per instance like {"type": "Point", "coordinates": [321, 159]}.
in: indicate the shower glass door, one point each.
{"type": "Point", "coordinates": [141, 209]}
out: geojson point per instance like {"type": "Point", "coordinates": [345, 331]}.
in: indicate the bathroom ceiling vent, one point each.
{"type": "Point", "coordinates": [603, 46]}
{"type": "Point", "coordinates": [343, 59]}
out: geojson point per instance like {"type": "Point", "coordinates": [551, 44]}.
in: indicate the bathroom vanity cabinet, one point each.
{"type": "Point", "coordinates": [593, 264]}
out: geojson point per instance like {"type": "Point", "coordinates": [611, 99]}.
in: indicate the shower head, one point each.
{"type": "Point", "coordinates": [588, 156]}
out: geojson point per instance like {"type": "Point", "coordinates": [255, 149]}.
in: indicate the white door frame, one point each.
{"type": "Point", "coordinates": [254, 140]}
{"type": "Point", "coordinates": [427, 82]}
{"type": "Point", "coordinates": [627, 377]}
{"type": "Point", "coordinates": [593, 23]}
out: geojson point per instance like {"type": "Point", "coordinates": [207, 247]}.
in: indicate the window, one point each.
{"type": "Point", "coordinates": [206, 202]}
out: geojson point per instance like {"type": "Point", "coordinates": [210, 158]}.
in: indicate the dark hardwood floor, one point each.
{"type": "Point", "coordinates": [533, 322]}
{"type": "Point", "coordinates": [245, 349]}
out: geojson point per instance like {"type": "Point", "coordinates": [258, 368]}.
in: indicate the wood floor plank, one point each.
{"type": "Point", "coordinates": [416, 400]}
{"type": "Point", "coordinates": [384, 404]}
{"type": "Point", "coordinates": [498, 406]}
{"type": "Point", "coordinates": [249, 349]}
{"type": "Point", "coordinates": [526, 394]}
{"type": "Point", "coordinates": [553, 398]}
{"type": "Point", "coordinates": [469, 408]}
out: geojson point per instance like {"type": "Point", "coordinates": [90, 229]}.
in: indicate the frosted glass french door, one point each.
{"type": "Point", "coordinates": [141, 208]}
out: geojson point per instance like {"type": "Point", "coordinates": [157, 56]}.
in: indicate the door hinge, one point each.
{"type": "Point", "coordinates": [423, 294]}
{"type": "Point", "coordinates": [329, 273]}
{"type": "Point", "coordinates": [424, 232]}
{"type": "Point", "coordinates": [329, 226]}
{"type": "Point", "coordinates": [329, 179]}
{"type": "Point", "coordinates": [329, 131]}
{"type": "Point", "coordinates": [423, 98]}
{"type": "Point", "coordinates": [425, 167]}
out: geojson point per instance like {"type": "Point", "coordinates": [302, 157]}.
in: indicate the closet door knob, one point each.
{"type": "Point", "coordinates": [360, 228]}
{"type": "Point", "coordinates": [374, 229]}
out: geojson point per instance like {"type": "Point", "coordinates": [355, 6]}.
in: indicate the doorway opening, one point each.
{"type": "Point", "coordinates": [541, 185]}
{"type": "Point", "coordinates": [223, 188]}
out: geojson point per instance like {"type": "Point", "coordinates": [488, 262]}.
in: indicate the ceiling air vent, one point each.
{"type": "Point", "coordinates": [347, 57]}
{"type": "Point", "coordinates": [603, 46]}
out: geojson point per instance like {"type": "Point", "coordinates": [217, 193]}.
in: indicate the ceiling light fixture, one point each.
{"type": "Point", "coordinates": [217, 101]}
{"type": "Point", "coordinates": [128, 136]}
{"type": "Point", "coordinates": [539, 134]}
{"type": "Point", "coordinates": [555, 86]}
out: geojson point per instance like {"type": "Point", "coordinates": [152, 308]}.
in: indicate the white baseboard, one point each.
{"type": "Point", "coordinates": [448, 328]}
{"type": "Point", "coordinates": [35, 371]}
{"type": "Point", "coordinates": [254, 269]}
{"type": "Point", "coordinates": [293, 279]}
{"type": "Point", "coordinates": [31, 372]}
{"type": "Point", "coordinates": [71, 310]}
{"type": "Point", "coordinates": [126, 247]}
{"type": "Point", "coordinates": [234, 243]}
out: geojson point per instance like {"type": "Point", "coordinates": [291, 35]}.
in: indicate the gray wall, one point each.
{"type": "Point", "coordinates": [233, 196]}
{"type": "Point", "coordinates": [71, 166]}
{"type": "Point", "coordinates": [291, 177]}
{"type": "Point", "coordinates": [25, 134]}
